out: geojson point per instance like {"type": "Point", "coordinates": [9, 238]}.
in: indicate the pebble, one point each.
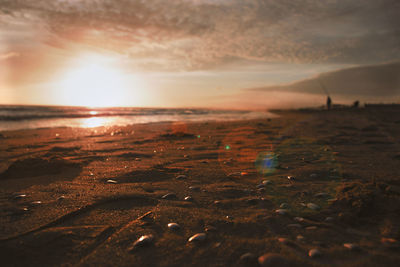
{"type": "Point", "coordinates": [321, 195]}
{"type": "Point", "coordinates": [313, 206]}
{"type": "Point", "coordinates": [314, 253]}
{"type": "Point", "coordinates": [19, 196]}
{"type": "Point", "coordinates": [351, 246]}
{"type": "Point", "coordinates": [110, 181]}
{"type": "Point", "coordinates": [197, 237]}
{"type": "Point", "coordinates": [210, 229]}
{"type": "Point", "coordinates": [329, 219]}
{"type": "Point", "coordinates": [217, 245]}
{"type": "Point", "coordinates": [248, 259]}
{"type": "Point", "coordinates": [300, 238]}
{"type": "Point", "coordinates": [143, 241]}
{"type": "Point", "coordinates": [194, 188]}
{"type": "Point", "coordinates": [281, 211]}
{"type": "Point", "coordinates": [181, 177]}
{"type": "Point", "coordinates": [273, 259]}
{"type": "Point", "coordinates": [283, 240]}
{"type": "Point", "coordinates": [174, 226]}
{"type": "Point", "coordinates": [299, 219]}
{"type": "Point", "coordinates": [313, 175]}
{"type": "Point", "coordinates": [61, 198]}
{"type": "Point", "coordinates": [266, 182]}
{"type": "Point", "coordinates": [291, 178]}
{"type": "Point", "coordinates": [169, 196]}
{"type": "Point", "coordinates": [188, 198]}
{"type": "Point", "coordinates": [284, 206]}
{"type": "Point", "coordinates": [37, 202]}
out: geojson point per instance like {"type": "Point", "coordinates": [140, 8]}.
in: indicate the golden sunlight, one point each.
{"type": "Point", "coordinates": [97, 81]}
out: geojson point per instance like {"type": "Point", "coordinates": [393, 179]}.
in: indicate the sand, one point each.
{"type": "Point", "coordinates": [306, 180]}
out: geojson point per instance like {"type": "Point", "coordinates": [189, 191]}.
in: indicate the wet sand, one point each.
{"type": "Point", "coordinates": [306, 180]}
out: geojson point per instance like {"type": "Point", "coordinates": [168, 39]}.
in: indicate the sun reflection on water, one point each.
{"type": "Point", "coordinates": [95, 122]}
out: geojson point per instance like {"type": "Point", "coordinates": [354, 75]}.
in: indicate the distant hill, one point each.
{"type": "Point", "coordinates": [372, 80]}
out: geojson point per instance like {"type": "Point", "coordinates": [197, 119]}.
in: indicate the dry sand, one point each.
{"type": "Point", "coordinates": [58, 206]}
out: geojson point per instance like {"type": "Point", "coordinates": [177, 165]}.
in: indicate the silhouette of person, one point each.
{"type": "Point", "coordinates": [328, 102]}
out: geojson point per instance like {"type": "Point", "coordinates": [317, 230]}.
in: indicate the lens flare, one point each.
{"type": "Point", "coordinates": [266, 162]}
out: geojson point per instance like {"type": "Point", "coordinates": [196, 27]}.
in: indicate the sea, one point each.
{"type": "Point", "coordinates": [17, 117]}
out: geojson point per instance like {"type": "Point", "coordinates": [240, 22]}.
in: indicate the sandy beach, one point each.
{"type": "Point", "coordinates": [309, 188]}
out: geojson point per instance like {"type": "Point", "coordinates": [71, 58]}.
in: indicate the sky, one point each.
{"type": "Point", "coordinates": [198, 53]}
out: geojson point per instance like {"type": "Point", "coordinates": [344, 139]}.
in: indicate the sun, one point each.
{"type": "Point", "coordinates": [97, 81]}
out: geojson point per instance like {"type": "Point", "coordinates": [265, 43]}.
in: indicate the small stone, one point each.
{"type": "Point", "coordinates": [169, 196]}
{"type": "Point", "coordinates": [351, 246]}
{"type": "Point", "coordinates": [248, 259]}
{"type": "Point", "coordinates": [313, 206]}
{"type": "Point", "coordinates": [188, 198]}
{"type": "Point", "coordinates": [273, 259]}
{"type": "Point", "coordinates": [321, 195]}
{"type": "Point", "coordinates": [281, 211]}
{"type": "Point", "coordinates": [314, 253]}
{"type": "Point", "coordinates": [282, 240]}
{"type": "Point", "coordinates": [299, 219]}
{"type": "Point", "coordinates": [194, 188]}
{"type": "Point", "coordinates": [261, 190]}
{"type": "Point", "coordinates": [19, 196]}
{"type": "Point", "coordinates": [329, 219]}
{"type": "Point", "coordinates": [260, 186]}
{"type": "Point", "coordinates": [181, 177]}
{"type": "Point", "coordinates": [266, 182]}
{"type": "Point", "coordinates": [217, 245]}
{"type": "Point", "coordinates": [38, 202]}
{"type": "Point", "coordinates": [284, 206]}
{"type": "Point", "coordinates": [143, 241]}
{"type": "Point", "coordinates": [210, 228]}
{"type": "Point", "coordinates": [60, 198]}
{"type": "Point", "coordinates": [197, 237]}
{"type": "Point", "coordinates": [291, 178]}
{"type": "Point", "coordinates": [217, 202]}
{"type": "Point", "coordinates": [313, 176]}
{"type": "Point", "coordinates": [300, 238]}
{"type": "Point", "coordinates": [110, 181]}
{"type": "Point", "coordinates": [388, 241]}
{"type": "Point", "coordinates": [174, 226]}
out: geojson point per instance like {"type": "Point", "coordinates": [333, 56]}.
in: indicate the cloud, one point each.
{"type": "Point", "coordinates": [8, 55]}
{"type": "Point", "coordinates": [202, 34]}
{"type": "Point", "coordinates": [380, 80]}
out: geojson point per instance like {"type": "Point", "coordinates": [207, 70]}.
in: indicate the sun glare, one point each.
{"type": "Point", "coordinates": [97, 81]}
